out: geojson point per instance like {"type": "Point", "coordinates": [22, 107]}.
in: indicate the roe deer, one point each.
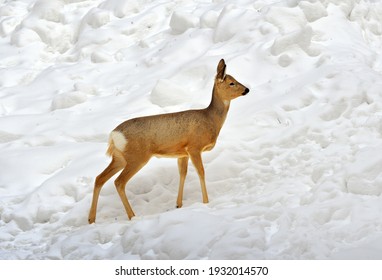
{"type": "Point", "coordinates": [182, 135]}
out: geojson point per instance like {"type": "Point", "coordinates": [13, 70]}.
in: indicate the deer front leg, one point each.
{"type": "Point", "coordinates": [182, 165]}
{"type": "Point", "coordinates": [196, 159]}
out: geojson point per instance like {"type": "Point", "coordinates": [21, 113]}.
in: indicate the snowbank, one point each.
{"type": "Point", "coordinates": [296, 170]}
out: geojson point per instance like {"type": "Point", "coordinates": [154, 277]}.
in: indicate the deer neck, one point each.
{"type": "Point", "coordinates": [218, 108]}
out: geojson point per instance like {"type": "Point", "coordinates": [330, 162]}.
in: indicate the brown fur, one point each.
{"type": "Point", "coordinates": [182, 135]}
{"type": "Point", "coordinates": [111, 148]}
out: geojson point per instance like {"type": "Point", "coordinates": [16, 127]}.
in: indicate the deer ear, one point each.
{"type": "Point", "coordinates": [221, 70]}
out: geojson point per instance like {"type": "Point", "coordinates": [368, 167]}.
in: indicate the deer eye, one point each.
{"type": "Point", "coordinates": [231, 84]}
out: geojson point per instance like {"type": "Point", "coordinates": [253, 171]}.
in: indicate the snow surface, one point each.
{"type": "Point", "coordinates": [296, 172]}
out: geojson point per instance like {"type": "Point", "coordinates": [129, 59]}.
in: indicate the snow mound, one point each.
{"type": "Point", "coordinates": [68, 99]}
{"type": "Point", "coordinates": [121, 8]}
{"type": "Point", "coordinates": [181, 21]}
{"type": "Point", "coordinates": [166, 93]}
{"type": "Point", "coordinates": [313, 11]}
{"type": "Point", "coordinates": [364, 176]}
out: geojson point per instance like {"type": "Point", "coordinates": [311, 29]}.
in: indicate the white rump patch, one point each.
{"type": "Point", "coordinates": [119, 140]}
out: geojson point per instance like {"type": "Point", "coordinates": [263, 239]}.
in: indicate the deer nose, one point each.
{"type": "Point", "coordinates": [246, 91]}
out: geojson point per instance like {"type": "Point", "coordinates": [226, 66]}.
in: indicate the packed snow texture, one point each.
{"type": "Point", "coordinates": [296, 172]}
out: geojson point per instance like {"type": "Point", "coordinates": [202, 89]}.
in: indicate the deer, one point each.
{"type": "Point", "coordinates": [183, 135]}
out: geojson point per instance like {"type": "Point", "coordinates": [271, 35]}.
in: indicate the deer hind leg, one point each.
{"type": "Point", "coordinates": [182, 165]}
{"type": "Point", "coordinates": [196, 159]}
{"type": "Point", "coordinates": [131, 168]}
{"type": "Point", "coordinates": [116, 165]}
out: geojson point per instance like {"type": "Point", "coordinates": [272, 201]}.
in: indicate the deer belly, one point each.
{"type": "Point", "coordinates": [173, 152]}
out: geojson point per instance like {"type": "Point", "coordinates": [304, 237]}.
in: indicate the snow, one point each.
{"type": "Point", "coordinates": [296, 172]}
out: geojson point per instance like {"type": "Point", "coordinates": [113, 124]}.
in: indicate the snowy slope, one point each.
{"type": "Point", "coordinates": [296, 172]}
